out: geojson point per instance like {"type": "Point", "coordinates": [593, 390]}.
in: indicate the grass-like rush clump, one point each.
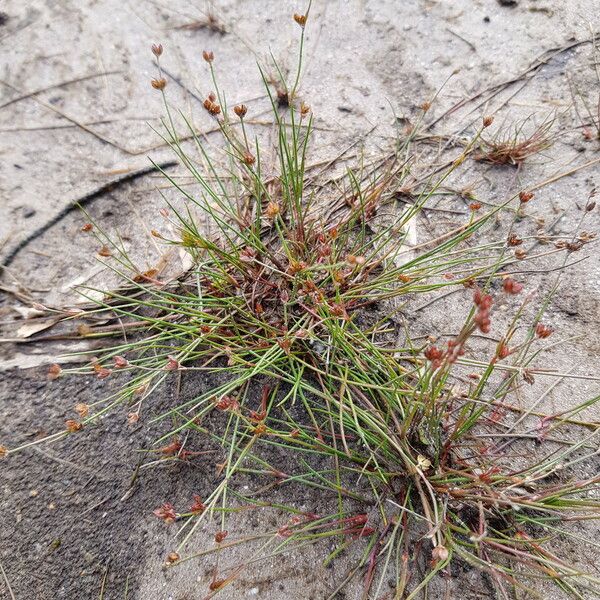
{"type": "Point", "coordinates": [300, 299]}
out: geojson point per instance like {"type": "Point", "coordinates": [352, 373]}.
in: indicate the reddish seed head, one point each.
{"type": "Point", "coordinates": [120, 362]}
{"type": "Point", "coordinates": [249, 159]}
{"type": "Point", "coordinates": [260, 429]}
{"type": "Point", "coordinates": [104, 251]}
{"type": "Point", "coordinates": [102, 372]}
{"type": "Point", "coordinates": [296, 267]}
{"type": "Point", "coordinates": [166, 512]}
{"type": "Point", "coordinates": [355, 260]}
{"type": "Point", "coordinates": [225, 403]}
{"type": "Point", "coordinates": [172, 449]}
{"type": "Point", "coordinates": [157, 49]}
{"type": "Point", "coordinates": [433, 353]}
{"type": "Point", "coordinates": [3, 452]}
{"type": "Point", "coordinates": [54, 371]}
{"type": "Point", "coordinates": [240, 110]}
{"type": "Point", "coordinates": [511, 286]}
{"type": "Point", "coordinates": [87, 227]}
{"type": "Point", "coordinates": [543, 331]}
{"type": "Point", "coordinates": [284, 531]}
{"type": "Point", "coordinates": [208, 56]}
{"type": "Point", "coordinates": [211, 106]}
{"type": "Point", "coordinates": [300, 19]}
{"type": "Point", "coordinates": [338, 310]}
{"type": "Point", "coordinates": [159, 84]}
{"type": "Point", "coordinates": [172, 557]}
{"type": "Point", "coordinates": [514, 240]}
{"type": "Point", "coordinates": [285, 344]}
{"type": "Point", "coordinates": [304, 109]}
{"type": "Point", "coordinates": [482, 316]}
{"type": "Point", "coordinates": [172, 364]}
{"type": "Point", "coordinates": [82, 409]}
{"type": "Point", "coordinates": [140, 390]}
{"type": "Point", "coordinates": [487, 121]}
{"type": "Point", "coordinates": [439, 553]}
{"type": "Point", "coordinates": [475, 206]}
{"type": "Point", "coordinates": [483, 301]}
{"type": "Point", "coordinates": [220, 536]}
{"type": "Point", "coordinates": [525, 197]}
{"type": "Point", "coordinates": [272, 211]}
{"type": "Point", "coordinates": [486, 302]}
{"type": "Point", "coordinates": [198, 506]}
{"type": "Point", "coordinates": [72, 425]}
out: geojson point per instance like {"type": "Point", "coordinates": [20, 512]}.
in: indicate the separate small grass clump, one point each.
{"type": "Point", "coordinates": [305, 309]}
{"type": "Point", "coordinates": [514, 147]}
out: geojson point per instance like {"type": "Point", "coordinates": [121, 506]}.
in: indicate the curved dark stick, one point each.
{"type": "Point", "coordinates": [86, 199]}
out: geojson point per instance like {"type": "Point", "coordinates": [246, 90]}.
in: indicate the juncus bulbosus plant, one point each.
{"type": "Point", "coordinates": [292, 307]}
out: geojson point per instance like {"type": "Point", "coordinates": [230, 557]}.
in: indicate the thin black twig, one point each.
{"type": "Point", "coordinates": [84, 200]}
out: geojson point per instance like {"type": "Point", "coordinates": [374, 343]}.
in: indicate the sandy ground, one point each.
{"type": "Point", "coordinates": [65, 530]}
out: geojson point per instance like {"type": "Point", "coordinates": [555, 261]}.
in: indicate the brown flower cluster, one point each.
{"type": "Point", "coordinates": [166, 512]}
{"type": "Point", "coordinates": [211, 105]}
{"type": "Point", "coordinates": [484, 305]}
